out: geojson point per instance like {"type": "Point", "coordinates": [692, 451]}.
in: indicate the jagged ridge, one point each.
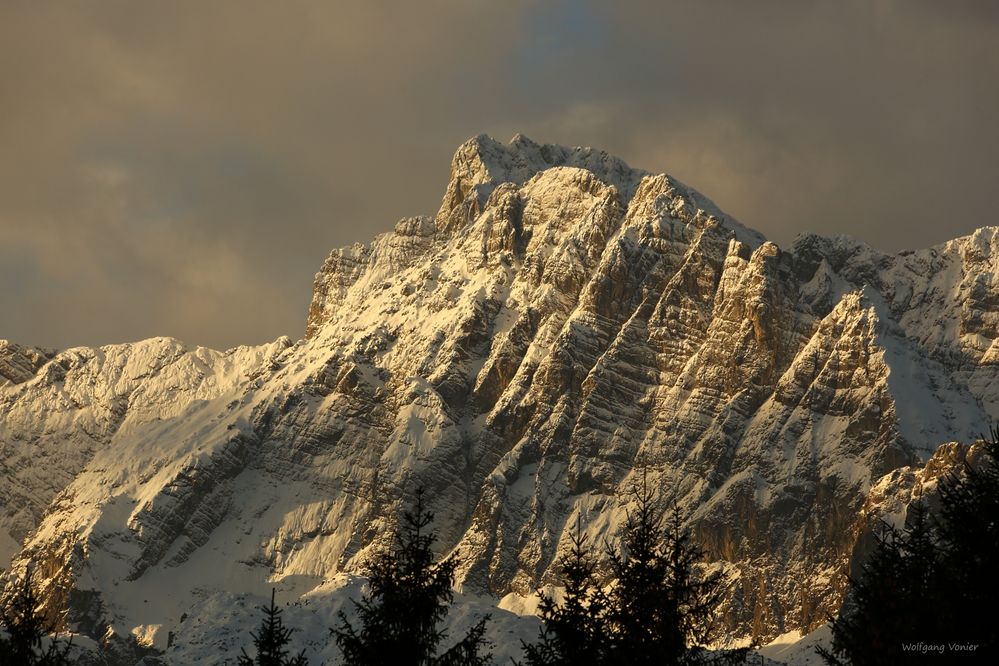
{"type": "Point", "coordinates": [561, 322]}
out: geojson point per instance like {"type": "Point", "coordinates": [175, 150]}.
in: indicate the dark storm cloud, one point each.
{"type": "Point", "coordinates": [182, 168]}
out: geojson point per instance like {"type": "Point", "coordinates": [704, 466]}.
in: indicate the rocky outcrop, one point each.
{"type": "Point", "coordinates": [562, 323]}
{"type": "Point", "coordinates": [19, 364]}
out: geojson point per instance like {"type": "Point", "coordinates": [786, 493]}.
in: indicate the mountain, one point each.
{"type": "Point", "coordinates": [563, 323]}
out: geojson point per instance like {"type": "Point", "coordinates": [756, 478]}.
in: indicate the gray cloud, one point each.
{"type": "Point", "coordinates": [182, 168]}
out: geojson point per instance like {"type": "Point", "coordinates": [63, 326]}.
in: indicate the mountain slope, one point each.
{"type": "Point", "coordinates": [562, 322]}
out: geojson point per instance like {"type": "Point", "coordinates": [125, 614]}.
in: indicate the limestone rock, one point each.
{"type": "Point", "coordinates": [563, 324]}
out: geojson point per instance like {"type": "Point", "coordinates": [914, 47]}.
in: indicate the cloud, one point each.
{"type": "Point", "coordinates": [183, 168]}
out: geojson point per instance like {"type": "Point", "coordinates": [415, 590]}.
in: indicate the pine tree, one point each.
{"type": "Point", "coordinates": [662, 608]}
{"type": "Point", "coordinates": [969, 541]}
{"type": "Point", "coordinates": [26, 629]}
{"type": "Point", "coordinates": [887, 606]}
{"type": "Point", "coordinates": [643, 612]}
{"type": "Point", "coordinates": [575, 631]}
{"type": "Point", "coordinates": [409, 597]}
{"type": "Point", "coordinates": [271, 641]}
{"type": "Point", "coordinates": [695, 593]}
{"type": "Point", "coordinates": [932, 582]}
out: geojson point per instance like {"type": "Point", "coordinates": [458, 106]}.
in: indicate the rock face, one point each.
{"type": "Point", "coordinates": [19, 364]}
{"type": "Point", "coordinates": [563, 323]}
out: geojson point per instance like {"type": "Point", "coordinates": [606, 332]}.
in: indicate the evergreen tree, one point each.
{"type": "Point", "coordinates": [409, 597]}
{"type": "Point", "coordinates": [889, 605]}
{"type": "Point", "coordinates": [932, 582]}
{"type": "Point", "coordinates": [694, 593]}
{"type": "Point", "coordinates": [575, 631]}
{"type": "Point", "coordinates": [643, 612]}
{"type": "Point", "coordinates": [271, 641]}
{"type": "Point", "coordinates": [24, 629]}
{"type": "Point", "coordinates": [663, 605]}
{"type": "Point", "coordinates": [969, 541]}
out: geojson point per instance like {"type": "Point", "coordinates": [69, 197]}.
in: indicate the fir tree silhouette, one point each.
{"type": "Point", "coordinates": [409, 597]}
{"type": "Point", "coordinates": [27, 629]}
{"type": "Point", "coordinates": [887, 605]}
{"type": "Point", "coordinates": [271, 641]}
{"type": "Point", "coordinates": [663, 605]}
{"type": "Point", "coordinates": [574, 631]}
{"type": "Point", "coordinates": [932, 582]}
{"type": "Point", "coordinates": [968, 532]}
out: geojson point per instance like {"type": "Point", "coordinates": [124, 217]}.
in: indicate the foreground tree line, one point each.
{"type": "Point", "coordinates": [661, 609]}
{"type": "Point", "coordinates": [927, 587]}
{"type": "Point", "coordinates": [927, 590]}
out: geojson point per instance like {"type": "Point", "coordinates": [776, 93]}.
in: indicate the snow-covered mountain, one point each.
{"type": "Point", "coordinates": [563, 323]}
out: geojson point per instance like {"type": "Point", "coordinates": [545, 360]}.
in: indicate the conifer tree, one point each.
{"type": "Point", "coordinates": [575, 631]}
{"type": "Point", "coordinates": [934, 581]}
{"type": "Point", "coordinates": [969, 541]}
{"type": "Point", "coordinates": [662, 607]}
{"type": "Point", "coordinates": [271, 641]}
{"type": "Point", "coordinates": [24, 630]}
{"type": "Point", "coordinates": [409, 597]}
{"type": "Point", "coordinates": [642, 609]}
{"type": "Point", "coordinates": [887, 605]}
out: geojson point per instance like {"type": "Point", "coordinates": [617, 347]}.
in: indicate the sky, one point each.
{"type": "Point", "coordinates": [183, 168]}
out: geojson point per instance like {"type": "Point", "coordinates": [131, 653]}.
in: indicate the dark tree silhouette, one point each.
{"type": "Point", "coordinates": [271, 641]}
{"type": "Point", "coordinates": [968, 531]}
{"type": "Point", "coordinates": [24, 630]}
{"type": "Point", "coordinates": [888, 605]}
{"type": "Point", "coordinates": [662, 608]}
{"type": "Point", "coordinates": [932, 582]}
{"type": "Point", "coordinates": [574, 631]}
{"type": "Point", "coordinates": [409, 597]}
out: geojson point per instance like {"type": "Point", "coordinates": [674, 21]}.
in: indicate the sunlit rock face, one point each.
{"type": "Point", "coordinates": [563, 325]}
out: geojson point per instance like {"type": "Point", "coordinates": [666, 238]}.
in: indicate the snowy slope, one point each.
{"type": "Point", "coordinates": [562, 322]}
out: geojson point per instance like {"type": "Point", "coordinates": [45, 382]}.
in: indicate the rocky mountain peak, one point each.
{"type": "Point", "coordinates": [563, 322]}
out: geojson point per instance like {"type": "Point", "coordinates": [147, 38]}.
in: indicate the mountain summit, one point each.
{"type": "Point", "coordinates": [562, 323]}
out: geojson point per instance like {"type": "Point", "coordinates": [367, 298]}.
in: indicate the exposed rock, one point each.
{"type": "Point", "coordinates": [19, 364]}
{"type": "Point", "coordinates": [563, 322]}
